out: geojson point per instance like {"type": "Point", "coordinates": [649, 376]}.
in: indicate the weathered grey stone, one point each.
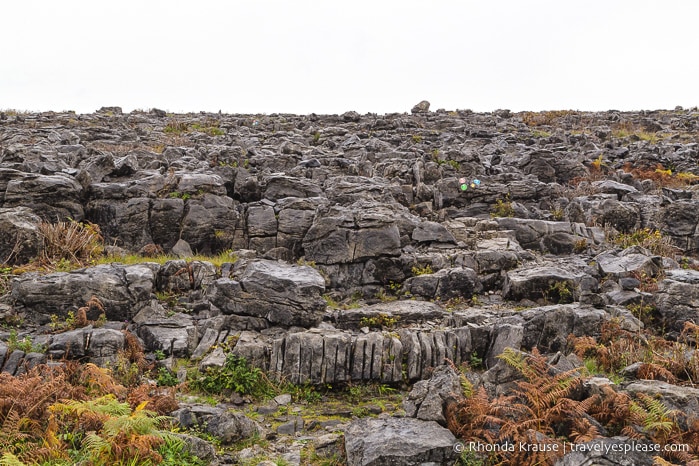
{"type": "Point", "coordinates": [445, 284]}
{"type": "Point", "coordinates": [282, 294]}
{"type": "Point", "coordinates": [205, 219]}
{"type": "Point", "coordinates": [19, 228]}
{"type": "Point", "coordinates": [198, 447]}
{"type": "Point", "coordinates": [432, 232]}
{"type": "Point", "coordinates": [540, 282]}
{"type": "Point", "coordinates": [404, 312]}
{"type": "Point", "coordinates": [261, 221]}
{"type": "Point", "coordinates": [548, 327]}
{"type": "Point", "coordinates": [216, 358]}
{"type": "Point", "coordinates": [623, 216]}
{"type": "Point", "coordinates": [99, 345]}
{"type": "Point", "coordinates": [628, 263]}
{"type": "Point", "coordinates": [553, 237]}
{"type": "Point", "coordinates": [333, 357]}
{"type": "Point", "coordinates": [677, 299]}
{"type": "Point", "coordinates": [13, 362]}
{"type": "Point", "coordinates": [52, 197]}
{"type": "Point", "coordinates": [505, 335]}
{"type": "Point", "coordinates": [123, 291]}
{"type": "Point", "coordinates": [675, 397]}
{"type": "Point", "coordinates": [279, 187]}
{"type": "Point", "coordinates": [231, 427]}
{"type": "Point", "coordinates": [421, 107]}
{"type": "Point", "coordinates": [182, 249]}
{"type": "Point", "coordinates": [165, 219]}
{"type": "Point", "coordinates": [291, 426]}
{"type": "Point", "coordinates": [205, 343]}
{"type": "Point", "coordinates": [252, 346]}
{"type": "Point", "coordinates": [122, 222]}
{"type": "Point", "coordinates": [398, 441]}
{"type": "Point", "coordinates": [352, 234]}
{"type": "Point", "coordinates": [614, 187]}
{"type": "Point", "coordinates": [173, 334]}
{"type": "Point", "coordinates": [428, 398]}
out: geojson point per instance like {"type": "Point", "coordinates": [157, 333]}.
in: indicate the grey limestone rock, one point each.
{"type": "Point", "coordinates": [231, 427]}
{"type": "Point", "coordinates": [355, 234]}
{"type": "Point", "coordinates": [445, 284]}
{"type": "Point", "coordinates": [404, 312]}
{"type": "Point", "coordinates": [428, 398]}
{"type": "Point", "coordinates": [398, 442]}
{"type": "Point", "coordinates": [421, 107]}
{"type": "Point", "coordinates": [540, 282]}
{"type": "Point", "coordinates": [282, 294]}
{"type": "Point", "coordinates": [677, 299]}
{"type": "Point", "coordinates": [52, 197]}
{"type": "Point", "coordinates": [432, 232]}
{"type": "Point", "coordinates": [19, 230]}
{"type": "Point", "coordinates": [123, 291]}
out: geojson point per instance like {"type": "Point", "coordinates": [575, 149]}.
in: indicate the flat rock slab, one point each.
{"type": "Point", "coordinates": [626, 265]}
{"type": "Point", "coordinates": [123, 291]}
{"type": "Point", "coordinates": [537, 282]}
{"type": "Point", "coordinates": [398, 442]}
{"type": "Point", "coordinates": [685, 399]}
{"type": "Point", "coordinates": [404, 311]}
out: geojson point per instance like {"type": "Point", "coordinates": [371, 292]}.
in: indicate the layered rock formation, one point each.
{"type": "Point", "coordinates": [367, 247]}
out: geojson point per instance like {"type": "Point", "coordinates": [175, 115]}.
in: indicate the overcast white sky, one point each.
{"type": "Point", "coordinates": [332, 56]}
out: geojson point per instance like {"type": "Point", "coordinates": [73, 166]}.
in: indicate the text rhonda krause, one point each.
{"type": "Point", "coordinates": [571, 447]}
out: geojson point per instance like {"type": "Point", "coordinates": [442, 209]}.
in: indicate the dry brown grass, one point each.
{"type": "Point", "coordinates": [71, 242]}
{"type": "Point", "coordinates": [662, 176]}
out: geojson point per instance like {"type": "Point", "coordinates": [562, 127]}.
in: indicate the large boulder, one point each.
{"type": "Point", "coordinates": [353, 234]}
{"type": "Point", "coordinates": [173, 334]}
{"type": "Point", "coordinates": [123, 291]}
{"type": "Point", "coordinates": [445, 284]}
{"type": "Point", "coordinates": [281, 293]}
{"type": "Point", "coordinates": [96, 345]}
{"type": "Point", "coordinates": [19, 230]}
{"type": "Point", "coordinates": [549, 236]}
{"type": "Point", "coordinates": [206, 220]}
{"type": "Point", "coordinates": [398, 442]}
{"type": "Point", "coordinates": [294, 219]}
{"type": "Point", "coordinates": [231, 427]}
{"type": "Point", "coordinates": [677, 299]}
{"type": "Point", "coordinates": [542, 282]}
{"type": "Point", "coordinates": [52, 197]}
{"type": "Point", "coordinates": [428, 398]}
{"type": "Point", "coordinates": [633, 261]}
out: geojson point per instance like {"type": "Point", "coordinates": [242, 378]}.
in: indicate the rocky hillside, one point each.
{"type": "Point", "coordinates": [408, 251]}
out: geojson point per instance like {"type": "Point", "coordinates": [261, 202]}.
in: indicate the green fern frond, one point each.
{"type": "Point", "coordinates": [138, 422]}
{"type": "Point", "coordinates": [96, 445]}
{"type": "Point", "coordinates": [516, 360]}
{"type": "Point", "coordinates": [106, 405]}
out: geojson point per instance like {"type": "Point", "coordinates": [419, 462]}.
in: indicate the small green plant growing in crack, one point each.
{"type": "Point", "coordinates": [380, 320]}
{"type": "Point", "coordinates": [422, 270]}
{"type": "Point", "coordinates": [503, 208]}
{"type": "Point", "coordinates": [179, 195]}
{"type": "Point", "coordinates": [560, 291]}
